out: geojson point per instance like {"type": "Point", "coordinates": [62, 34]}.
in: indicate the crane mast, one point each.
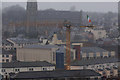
{"type": "Point", "coordinates": [68, 48]}
{"type": "Point", "coordinates": [68, 56]}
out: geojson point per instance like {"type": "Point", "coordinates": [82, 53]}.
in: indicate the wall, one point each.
{"type": "Point", "coordinates": [98, 33]}
{"type": "Point", "coordinates": [24, 69]}
{"type": "Point", "coordinates": [99, 66]}
{"type": "Point", "coordinates": [24, 54]}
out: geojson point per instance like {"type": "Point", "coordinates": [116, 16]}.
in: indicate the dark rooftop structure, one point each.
{"type": "Point", "coordinates": [5, 42]}
{"type": "Point", "coordinates": [25, 64]}
{"type": "Point", "coordinates": [92, 49]}
{"type": "Point", "coordinates": [57, 74]}
{"type": "Point", "coordinates": [23, 40]}
{"type": "Point", "coordinates": [84, 62]}
{"type": "Point", "coordinates": [110, 47]}
{"type": "Point", "coordinates": [107, 41]}
{"type": "Point", "coordinates": [12, 52]}
{"type": "Point", "coordinates": [41, 46]}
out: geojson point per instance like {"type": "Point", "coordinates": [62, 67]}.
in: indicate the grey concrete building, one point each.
{"type": "Point", "coordinates": [95, 52]}
{"type": "Point", "coordinates": [42, 53]}
{"type": "Point", "coordinates": [37, 53]}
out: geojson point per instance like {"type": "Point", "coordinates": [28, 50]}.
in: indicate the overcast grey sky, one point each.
{"type": "Point", "coordinates": [85, 6]}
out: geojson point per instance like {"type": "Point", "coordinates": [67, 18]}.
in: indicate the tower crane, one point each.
{"type": "Point", "coordinates": [68, 26]}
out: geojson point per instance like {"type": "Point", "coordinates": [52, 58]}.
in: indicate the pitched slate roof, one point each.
{"type": "Point", "coordinates": [92, 49]}
{"type": "Point", "coordinates": [41, 46]}
{"type": "Point", "coordinates": [85, 62]}
{"type": "Point", "coordinates": [56, 74]}
{"type": "Point", "coordinates": [5, 42]}
{"type": "Point", "coordinates": [25, 64]}
{"type": "Point", "coordinates": [24, 40]}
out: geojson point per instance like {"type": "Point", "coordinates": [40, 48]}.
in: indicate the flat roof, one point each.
{"type": "Point", "coordinates": [92, 49]}
{"type": "Point", "coordinates": [26, 64]}
{"type": "Point", "coordinates": [57, 74]}
{"type": "Point", "coordinates": [41, 46]}
{"type": "Point", "coordinates": [24, 40]}
{"type": "Point", "coordinates": [85, 62]}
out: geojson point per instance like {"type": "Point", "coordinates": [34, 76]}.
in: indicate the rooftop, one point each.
{"type": "Point", "coordinates": [85, 62]}
{"type": "Point", "coordinates": [25, 64]}
{"type": "Point", "coordinates": [41, 46]}
{"type": "Point", "coordinates": [56, 74]}
{"type": "Point", "coordinates": [23, 40]}
{"type": "Point", "coordinates": [92, 49]}
{"type": "Point", "coordinates": [5, 42]}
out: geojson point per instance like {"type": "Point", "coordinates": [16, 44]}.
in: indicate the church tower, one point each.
{"type": "Point", "coordinates": [31, 13]}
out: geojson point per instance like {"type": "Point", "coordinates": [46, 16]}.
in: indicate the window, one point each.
{"type": "Point", "coordinates": [5, 73]}
{"type": "Point", "coordinates": [3, 60]}
{"type": "Point", "coordinates": [30, 69]}
{"type": "Point", "coordinates": [44, 69]}
{"type": "Point", "coordinates": [7, 56]}
{"type": "Point", "coordinates": [105, 56]}
{"type": "Point", "coordinates": [111, 72]}
{"type": "Point", "coordinates": [104, 73]}
{"type": "Point", "coordinates": [109, 56]}
{"type": "Point", "coordinates": [115, 64]}
{"type": "Point", "coordinates": [108, 65]}
{"type": "Point", "coordinates": [53, 56]}
{"type": "Point", "coordinates": [84, 67]}
{"type": "Point", "coordinates": [3, 70]}
{"type": "Point", "coordinates": [92, 66]}
{"type": "Point", "coordinates": [100, 65]}
{"type": "Point", "coordinates": [103, 66]}
{"type": "Point", "coordinates": [2, 76]}
{"type": "Point", "coordinates": [17, 70]}
{"type": "Point", "coordinates": [97, 66]}
{"type": "Point", "coordinates": [7, 60]}
{"type": "Point", "coordinates": [87, 57]}
{"type": "Point", "coordinates": [3, 56]}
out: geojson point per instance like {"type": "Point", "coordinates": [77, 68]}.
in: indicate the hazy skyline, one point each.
{"type": "Point", "coordinates": [62, 0]}
{"type": "Point", "coordinates": [85, 6]}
